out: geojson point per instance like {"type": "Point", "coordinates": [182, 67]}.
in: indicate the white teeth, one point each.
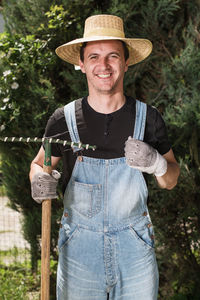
{"type": "Point", "coordinates": [104, 75]}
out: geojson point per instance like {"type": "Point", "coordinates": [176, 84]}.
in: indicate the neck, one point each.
{"type": "Point", "coordinates": [106, 104]}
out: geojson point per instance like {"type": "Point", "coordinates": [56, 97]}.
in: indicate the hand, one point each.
{"type": "Point", "coordinates": [43, 186]}
{"type": "Point", "coordinates": [143, 157]}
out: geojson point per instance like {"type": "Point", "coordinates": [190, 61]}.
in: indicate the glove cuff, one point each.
{"type": "Point", "coordinates": [160, 165]}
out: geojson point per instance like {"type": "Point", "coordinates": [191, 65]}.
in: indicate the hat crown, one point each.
{"type": "Point", "coordinates": [104, 25]}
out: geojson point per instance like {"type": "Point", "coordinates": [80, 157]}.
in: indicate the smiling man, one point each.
{"type": "Point", "coordinates": [104, 64]}
{"type": "Point", "coordinates": [106, 239]}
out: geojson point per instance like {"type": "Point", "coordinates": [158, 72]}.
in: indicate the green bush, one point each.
{"type": "Point", "coordinates": [178, 231]}
{"type": "Point", "coordinates": [26, 96]}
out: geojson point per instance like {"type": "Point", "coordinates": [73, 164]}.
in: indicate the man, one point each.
{"type": "Point", "coordinates": [106, 239]}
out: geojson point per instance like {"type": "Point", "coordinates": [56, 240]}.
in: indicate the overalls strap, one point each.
{"type": "Point", "coordinates": [70, 117]}
{"type": "Point", "coordinates": [140, 120]}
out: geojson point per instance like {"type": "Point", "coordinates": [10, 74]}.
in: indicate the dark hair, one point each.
{"type": "Point", "coordinates": [125, 47]}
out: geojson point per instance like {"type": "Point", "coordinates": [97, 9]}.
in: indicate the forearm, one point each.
{"type": "Point", "coordinates": [170, 178]}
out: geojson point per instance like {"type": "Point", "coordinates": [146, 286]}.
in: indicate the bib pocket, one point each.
{"type": "Point", "coordinates": [85, 198]}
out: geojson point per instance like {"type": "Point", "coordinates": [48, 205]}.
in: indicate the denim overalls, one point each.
{"type": "Point", "coordinates": [106, 241]}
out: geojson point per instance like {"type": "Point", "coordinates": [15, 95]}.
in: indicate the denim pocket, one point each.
{"type": "Point", "coordinates": [144, 234]}
{"type": "Point", "coordinates": [86, 198]}
{"type": "Point", "coordinates": [67, 231]}
{"type": "Point", "coordinates": [66, 234]}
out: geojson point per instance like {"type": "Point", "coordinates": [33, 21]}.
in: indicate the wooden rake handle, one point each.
{"type": "Point", "coordinates": [46, 231]}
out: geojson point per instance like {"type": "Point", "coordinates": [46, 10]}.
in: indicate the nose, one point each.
{"type": "Point", "coordinates": [103, 62]}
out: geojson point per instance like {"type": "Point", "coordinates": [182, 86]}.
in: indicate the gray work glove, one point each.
{"type": "Point", "coordinates": [143, 157]}
{"type": "Point", "coordinates": [43, 186]}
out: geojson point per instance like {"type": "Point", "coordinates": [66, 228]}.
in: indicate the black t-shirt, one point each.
{"type": "Point", "coordinates": [106, 131]}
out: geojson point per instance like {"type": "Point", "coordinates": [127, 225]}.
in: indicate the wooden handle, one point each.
{"type": "Point", "coordinates": [46, 233]}
{"type": "Point", "coordinates": [45, 252]}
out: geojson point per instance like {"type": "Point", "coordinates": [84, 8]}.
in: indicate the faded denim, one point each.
{"type": "Point", "coordinates": [106, 239]}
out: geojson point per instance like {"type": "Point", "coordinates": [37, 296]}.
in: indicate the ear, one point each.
{"type": "Point", "coordinates": [81, 64]}
{"type": "Point", "coordinates": [126, 65]}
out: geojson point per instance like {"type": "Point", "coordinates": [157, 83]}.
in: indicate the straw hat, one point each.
{"type": "Point", "coordinates": [105, 27]}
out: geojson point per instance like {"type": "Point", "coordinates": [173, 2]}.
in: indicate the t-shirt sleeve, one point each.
{"type": "Point", "coordinates": [156, 132]}
{"type": "Point", "coordinates": [57, 128]}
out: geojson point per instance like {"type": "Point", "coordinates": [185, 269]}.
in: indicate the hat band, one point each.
{"type": "Point", "coordinates": [99, 31]}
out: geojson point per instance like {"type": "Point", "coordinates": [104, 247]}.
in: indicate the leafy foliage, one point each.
{"type": "Point", "coordinates": [175, 216]}
{"type": "Point", "coordinates": [26, 95]}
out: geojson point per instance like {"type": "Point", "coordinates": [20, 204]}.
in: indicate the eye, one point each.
{"type": "Point", "coordinates": [114, 55]}
{"type": "Point", "coordinates": [93, 57]}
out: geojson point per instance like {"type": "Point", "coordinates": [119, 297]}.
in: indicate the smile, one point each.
{"type": "Point", "coordinates": [104, 75]}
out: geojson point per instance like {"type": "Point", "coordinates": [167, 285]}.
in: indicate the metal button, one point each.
{"type": "Point", "coordinates": [149, 225]}
{"type": "Point", "coordinates": [66, 215]}
{"type": "Point", "coordinates": [144, 214]}
{"type": "Point", "coordinates": [80, 158]}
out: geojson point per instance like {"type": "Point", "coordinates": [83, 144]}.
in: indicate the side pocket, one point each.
{"type": "Point", "coordinates": [65, 236]}
{"type": "Point", "coordinates": [145, 235]}
{"type": "Point", "coordinates": [66, 232]}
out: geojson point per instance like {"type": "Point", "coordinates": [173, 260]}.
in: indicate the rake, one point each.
{"type": "Point", "coordinates": [46, 204]}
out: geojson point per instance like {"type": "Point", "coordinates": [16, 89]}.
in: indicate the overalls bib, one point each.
{"type": "Point", "coordinates": [106, 241]}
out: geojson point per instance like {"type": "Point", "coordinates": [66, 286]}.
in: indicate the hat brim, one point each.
{"type": "Point", "coordinates": [139, 49]}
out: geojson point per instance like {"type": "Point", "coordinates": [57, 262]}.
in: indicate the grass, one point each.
{"type": "Point", "coordinates": [5, 231]}
{"type": "Point", "coordinates": [17, 280]}
{"type": "Point", "coordinates": [13, 256]}
{"type": "Point", "coordinates": [18, 283]}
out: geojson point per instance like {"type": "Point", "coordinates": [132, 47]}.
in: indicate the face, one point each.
{"type": "Point", "coordinates": [104, 65]}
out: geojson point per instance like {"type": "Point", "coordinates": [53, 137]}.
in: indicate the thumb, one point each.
{"type": "Point", "coordinates": [55, 174]}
